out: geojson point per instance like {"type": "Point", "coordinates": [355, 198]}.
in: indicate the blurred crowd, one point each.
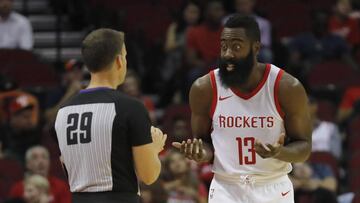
{"type": "Point", "coordinates": [170, 44]}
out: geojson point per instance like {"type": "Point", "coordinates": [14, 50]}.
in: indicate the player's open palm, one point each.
{"type": "Point", "coordinates": [269, 150]}
{"type": "Point", "coordinates": [192, 149]}
{"type": "Point", "coordinates": [159, 139]}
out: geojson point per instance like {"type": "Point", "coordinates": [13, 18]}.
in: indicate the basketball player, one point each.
{"type": "Point", "coordinates": [250, 108]}
{"type": "Point", "coordinates": [105, 136]}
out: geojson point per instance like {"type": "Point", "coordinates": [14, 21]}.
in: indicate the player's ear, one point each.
{"type": "Point", "coordinates": [119, 62]}
{"type": "Point", "coordinates": [256, 47]}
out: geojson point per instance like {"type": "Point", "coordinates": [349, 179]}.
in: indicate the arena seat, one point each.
{"type": "Point", "coordinates": [30, 74]}
{"type": "Point", "coordinates": [16, 55]}
{"type": "Point", "coordinates": [326, 110]}
{"type": "Point", "coordinates": [10, 172]}
{"type": "Point", "coordinates": [333, 73]}
{"type": "Point", "coordinates": [325, 158]}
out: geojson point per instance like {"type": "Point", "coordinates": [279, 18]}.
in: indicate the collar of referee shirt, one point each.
{"type": "Point", "coordinates": [94, 89]}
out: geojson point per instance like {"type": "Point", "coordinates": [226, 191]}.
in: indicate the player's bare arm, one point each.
{"type": "Point", "coordinates": [200, 104]}
{"type": "Point", "coordinates": [294, 104]}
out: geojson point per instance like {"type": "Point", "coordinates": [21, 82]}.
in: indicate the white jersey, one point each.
{"type": "Point", "coordinates": [239, 119]}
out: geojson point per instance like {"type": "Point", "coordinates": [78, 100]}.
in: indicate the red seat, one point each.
{"type": "Point", "coordinates": [354, 171]}
{"type": "Point", "coordinates": [355, 183]}
{"type": "Point", "coordinates": [356, 198]}
{"type": "Point", "coordinates": [326, 110]}
{"type": "Point", "coordinates": [56, 169]}
{"type": "Point", "coordinates": [325, 158]}
{"type": "Point", "coordinates": [333, 73]}
{"type": "Point", "coordinates": [353, 132]}
{"type": "Point", "coordinates": [182, 111]}
{"type": "Point", "coordinates": [31, 74]}
{"type": "Point", "coordinates": [10, 172]}
{"type": "Point", "coordinates": [18, 56]}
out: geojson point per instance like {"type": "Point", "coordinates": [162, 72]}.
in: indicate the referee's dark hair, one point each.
{"type": "Point", "coordinates": [249, 23]}
{"type": "Point", "coordinates": [100, 48]}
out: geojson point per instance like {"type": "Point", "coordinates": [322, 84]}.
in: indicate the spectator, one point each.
{"type": "Point", "coordinates": [246, 7]}
{"type": "Point", "coordinates": [176, 37]}
{"type": "Point", "coordinates": [313, 47]}
{"type": "Point", "coordinates": [182, 187]}
{"type": "Point", "coordinates": [179, 129]}
{"type": "Point", "coordinates": [203, 41]}
{"type": "Point", "coordinates": [189, 16]}
{"type": "Point", "coordinates": [132, 87]}
{"type": "Point", "coordinates": [343, 25]}
{"type": "Point", "coordinates": [36, 189]}
{"type": "Point", "coordinates": [349, 104]}
{"type": "Point", "coordinates": [73, 80]}
{"type": "Point", "coordinates": [313, 183]}
{"type": "Point", "coordinates": [15, 29]}
{"type": "Point", "coordinates": [153, 193]}
{"type": "Point", "coordinates": [38, 162]}
{"type": "Point", "coordinates": [21, 130]}
{"type": "Point", "coordinates": [326, 136]}
{"type": "Point", "coordinates": [13, 100]}
{"type": "Point", "coordinates": [173, 72]}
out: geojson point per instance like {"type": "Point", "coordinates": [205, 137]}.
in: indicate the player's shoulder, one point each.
{"type": "Point", "coordinates": [203, 82]}
{"type": "Point", "coordinates": [291, 93]}
{"type": "Point", "coordinates": [289, 83]}
{"type": "Point", "coordinates": [202, 86]}
{"type": "Point", "coordinates": [201, 93]}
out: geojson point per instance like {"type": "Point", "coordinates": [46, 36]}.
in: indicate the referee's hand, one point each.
{"type": "Point", "coordinates": [158, 139]}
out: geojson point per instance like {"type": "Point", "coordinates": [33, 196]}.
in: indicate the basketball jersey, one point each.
{"type": "Point", "coordinates": [239, 119]}
{"type": "Point", "coordinates": [96, 130]}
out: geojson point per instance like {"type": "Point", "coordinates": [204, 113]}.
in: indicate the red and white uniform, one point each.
{"type": "Point", "coordinates": [239, 119]}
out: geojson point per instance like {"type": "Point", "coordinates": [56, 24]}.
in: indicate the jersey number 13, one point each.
{"type": "Point", "coordinates": [246, 143]}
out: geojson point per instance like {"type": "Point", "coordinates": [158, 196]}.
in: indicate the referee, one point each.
{"type": "Point", "coordinates": [105, 138]}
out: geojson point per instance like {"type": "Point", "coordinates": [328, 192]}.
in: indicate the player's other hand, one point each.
{"type": "Point", "coordinates": [269, 150]}
{"type": "Point", "coordinates": [159, 139]}
{"type": "Point", "coordinates": [192, 149]}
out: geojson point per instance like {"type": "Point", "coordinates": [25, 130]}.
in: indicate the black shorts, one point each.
{"type": "Point", "coordinates": [104, 197]}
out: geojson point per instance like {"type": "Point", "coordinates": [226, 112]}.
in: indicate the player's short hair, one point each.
{"type": "Point", "coordinates": [249, 23]}
{"type": "Point", "coordinates": [100, 48]}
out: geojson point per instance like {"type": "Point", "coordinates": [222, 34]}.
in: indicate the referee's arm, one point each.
{"type": "Point", "coordinates": [146, 145]}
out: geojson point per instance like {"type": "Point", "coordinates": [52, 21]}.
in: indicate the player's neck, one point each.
{"type": "Point", "coordinates": [102, 80]}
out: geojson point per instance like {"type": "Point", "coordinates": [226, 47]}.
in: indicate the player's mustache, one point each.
{"type": "Point", "coordinates": [226, 62]}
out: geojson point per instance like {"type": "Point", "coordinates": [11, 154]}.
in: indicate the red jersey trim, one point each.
{"type": "Point", "coordinates": [257, 89]}
{"type": "Point", "coordinates": [276, 93]}
{"type": "Point", "coordinates": [214, 90]}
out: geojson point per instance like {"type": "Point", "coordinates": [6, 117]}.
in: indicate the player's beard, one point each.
{"type": "Point", "coordinates": [240, 72]}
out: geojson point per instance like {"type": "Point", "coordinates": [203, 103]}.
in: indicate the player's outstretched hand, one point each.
{"type": "Point", "coordinates": [159, 139]}
{"type": "Point", "coordinates": [269, 150]}
{"type": "Point", "coordinates": [192, 149]}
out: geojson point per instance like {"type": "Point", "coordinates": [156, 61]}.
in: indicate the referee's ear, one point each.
{"type": "Point", "coordinates": [119, 62]}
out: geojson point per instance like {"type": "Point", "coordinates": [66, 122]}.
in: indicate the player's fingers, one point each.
{"type": "Point", "coordinates": [271, 147]}
{"type": "Point", "coordinates": [187, 148]}
{"type": "Point", "coordinates": [281, 140]}
{"type": "Point", "coordinates": [191, 150]}
{"type": "Point", "coordinates": [176, 145]}
{"type": "Point", "coordinates": [182, 148]}
{"type": "Point", "coordinates": [262, 145]}
{"type": "Point", "coordinates": [201, 145]}
{"type": "Point", "coordinates": [196, 146]}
